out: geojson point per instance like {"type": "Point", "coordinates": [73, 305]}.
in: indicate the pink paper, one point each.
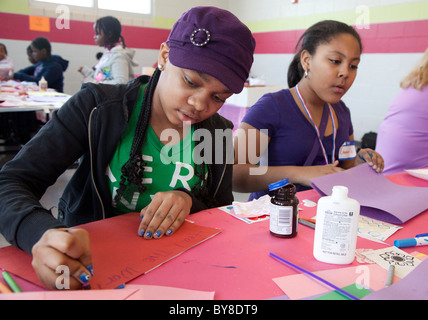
{"type": "Point", "coordinates": [300, 286]}
{"type": "Point", "coordinates": [130, 292]}
{"type": "Point", "coordinates": [379, 197]}
{"type": "Point", "coordinates": [111, 294]}
{"type": "Point", "coordinates": [150, 292]}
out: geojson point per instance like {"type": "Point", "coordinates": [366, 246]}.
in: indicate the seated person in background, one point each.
{"type": "Point", "coordinates": [6, 63]}
{"type": "Point", "coordinates": [49, 66]}
{"type": "Point", "coordinates": [30, 55]}
{"type": "Point", "coordinates": [309, 132]}
{"type": "Point", "coordinates": [115, 65]}
{"type": "Point", "coordinates": [403, 135]}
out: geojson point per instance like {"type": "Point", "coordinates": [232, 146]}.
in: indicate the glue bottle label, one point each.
{"type": "Point", "coordinates": [281, 219]}
{"type": "Point", "coordinates": [335, 236]}
{"type": "Point", "coordinates": [337, 232]}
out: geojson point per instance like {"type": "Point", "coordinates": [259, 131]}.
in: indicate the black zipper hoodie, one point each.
{"type": "Point", "coordinates": [87, 127]}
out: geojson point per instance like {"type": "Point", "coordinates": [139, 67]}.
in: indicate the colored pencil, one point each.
{"type": "Point", "coordinates": [11, 283]}
{"type": "Point", "coordinates": [307, 223]}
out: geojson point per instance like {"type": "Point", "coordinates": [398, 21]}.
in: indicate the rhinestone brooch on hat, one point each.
{"type": "Point", "coordinates": [200, 44]}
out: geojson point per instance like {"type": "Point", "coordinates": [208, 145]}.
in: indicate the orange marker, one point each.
{"type": "Point", "coordinates": [309, 220]}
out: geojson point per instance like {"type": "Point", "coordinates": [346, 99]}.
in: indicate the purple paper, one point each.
{"type": "Point", "coordinates": [379, 197]}
{"type": "Point", "coordinates": [411, 287]}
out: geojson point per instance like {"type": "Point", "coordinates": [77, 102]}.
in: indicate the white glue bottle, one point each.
{"type": "Point", "coordinates": [43, 84]}
{"type": "Point", "coordinates": [336, 227]}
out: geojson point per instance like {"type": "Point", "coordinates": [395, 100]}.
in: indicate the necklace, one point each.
{"type": "Point", "coordinates": [316, 128]}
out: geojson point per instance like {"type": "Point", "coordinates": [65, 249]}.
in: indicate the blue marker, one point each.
{"type": "Point", "coordinates": [411, 242]}
{"type": "Point", "coordinates": [422, 235]}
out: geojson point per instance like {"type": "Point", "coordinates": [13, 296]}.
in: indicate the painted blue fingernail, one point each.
{"type": "Point", "coordinates": [90, 269]}
{"type": "Point", "coordinates": [84, 277]}
{"type": "Point", "coordinates": [158, 234]}
{"type": "Point", "coordinates": [141, 233]}
{"type": "Point", "coordinates": [168, 233]}
{"type": "Point", "coordinates": [148, 234]}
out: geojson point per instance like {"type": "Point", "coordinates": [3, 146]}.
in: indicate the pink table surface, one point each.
{"type": "Point", "coordinates": [236, 263]}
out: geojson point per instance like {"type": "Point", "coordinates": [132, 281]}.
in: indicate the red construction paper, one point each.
{"type": "Point", "coordinates": [119, 254]}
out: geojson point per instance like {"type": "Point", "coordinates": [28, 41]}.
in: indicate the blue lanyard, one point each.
{"type": "Point", "coordinates": [316, 128]}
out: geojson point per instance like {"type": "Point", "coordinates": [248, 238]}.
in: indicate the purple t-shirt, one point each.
{"type": "Point", "coordinates": [292, 136]}
{"type": "Point", "coordinates": [402, 138]}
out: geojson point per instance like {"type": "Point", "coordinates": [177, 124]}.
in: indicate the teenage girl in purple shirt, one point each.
{"type": "Point", "coordinates": [305, 131]}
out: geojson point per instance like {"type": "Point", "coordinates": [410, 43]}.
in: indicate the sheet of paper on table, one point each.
{"type": "Point", "coordinates": [119, 254]}
{"type": "Point", "coordinates": [379, 197]}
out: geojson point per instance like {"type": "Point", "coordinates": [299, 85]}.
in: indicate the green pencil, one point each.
{"type": "Point", "coordinates": [9, 280]}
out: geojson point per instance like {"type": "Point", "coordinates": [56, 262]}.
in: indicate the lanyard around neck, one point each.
{"type": "Point", "coordinates": [316, 128]}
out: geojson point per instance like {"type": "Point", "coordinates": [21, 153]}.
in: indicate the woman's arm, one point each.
{"type": "Point", "coordinates": [249, 176]}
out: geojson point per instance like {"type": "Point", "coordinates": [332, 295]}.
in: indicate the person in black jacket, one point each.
{"type": "Point", "coordinates": [132, 142]}
{"type": "Point", "coordinates": [51, 67]}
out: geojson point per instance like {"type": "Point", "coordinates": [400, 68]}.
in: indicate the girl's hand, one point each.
{"type": "Point", "coordinates": [68, 249]}
{"type": "Point", "coordinates": [307, 173]}
{"type": "Point", "coordinates": [372, 158]}
{"type": "Point", "coordinates": [165, 214]}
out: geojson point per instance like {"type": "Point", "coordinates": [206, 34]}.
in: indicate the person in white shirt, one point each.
{"type": "Point", "coordinates": [6, 64]}
{"type": "Point", "coordinates": [115, 65]}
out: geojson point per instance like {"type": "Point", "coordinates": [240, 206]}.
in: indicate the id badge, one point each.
{"type": "Point", "coordinates": [347, 151]}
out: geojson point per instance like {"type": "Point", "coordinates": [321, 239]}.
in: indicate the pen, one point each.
{"type": "Point", "coordinates": [11, 283]}
{"type": "Point", "coordinates": [390, 275]}
{"type": "Point", "coordinates": [422, 235]}
{"type": "Point", "coordinates": [307, 223]}
{"type": "Point", "coordinates": [411, 242]}
{"type": "Point", "coordinates": [369, 153]}
{"type": "Point", "coordinates": [314, 276]}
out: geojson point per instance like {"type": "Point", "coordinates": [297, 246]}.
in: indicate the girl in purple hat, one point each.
{"type": "Point", "coordinates": [305, 131]}
{"type": "Point", "coordinates": [151, 146]}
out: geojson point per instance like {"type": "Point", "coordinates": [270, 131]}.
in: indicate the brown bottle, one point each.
{"type": "Point", "coordinates": [284, 213]}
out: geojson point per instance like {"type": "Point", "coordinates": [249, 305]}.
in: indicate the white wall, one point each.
{"type": "Point", "coordinates": [377, 83]}
{"type": "Point", "coordinates": [375, 86]}
{"type": "Point", "coordinates": [379, 75]}
{"type": "Point", "coordinates": [79, 55]}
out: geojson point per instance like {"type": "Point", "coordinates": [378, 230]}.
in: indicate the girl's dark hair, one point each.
{"type": "Point", "coordinates": [4, 47]}
{"type": "Point", "coordinates": [112, 30]}
{"type": "Point", "coordinates": [133, 169]}
{"type": "Point", "coordinates": [42, 43]}
{"type": "Point", "coordinates": [320, 33]}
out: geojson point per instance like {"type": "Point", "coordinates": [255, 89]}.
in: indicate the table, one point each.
{"type": "Point", "coordinates": [16, 97]}
{"type": "Point", "coordinates": [251, 94]}
{"type": "Point", "coordinates": [237, 105]}
{"type": "Point", "coordinates": [236, 264]}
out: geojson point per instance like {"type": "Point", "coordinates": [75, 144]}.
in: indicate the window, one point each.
{"type": "Point", "coordinates": [79, 3]}
{"type": "Point", "coordinates": [139, 6]}
{"type": "Point", "coordinates": [134, 6]}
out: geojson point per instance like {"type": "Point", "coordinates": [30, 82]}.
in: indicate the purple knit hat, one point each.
{"type": "Point", "coordinates": [213, 41]}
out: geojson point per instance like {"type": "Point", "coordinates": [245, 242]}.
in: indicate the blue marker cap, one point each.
{"type": "Point", "coordinates": [278, 184]}
{"type": "Point", "coordinates": [404, 243]}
